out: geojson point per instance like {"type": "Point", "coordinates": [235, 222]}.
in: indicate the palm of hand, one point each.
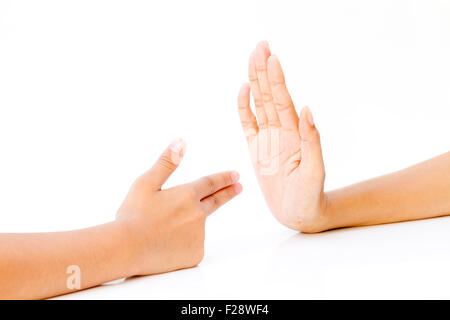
{"type": "Point", "coordinates": [275, 155]}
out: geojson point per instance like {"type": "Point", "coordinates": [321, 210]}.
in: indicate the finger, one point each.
{"type": "Point", "coordinates": [261, 55]}
{"type": "Point", "coordinates": [256, 93]}
{"type": "Point", "coordinates": [248, 119]}
{"type": "Point", "coordinates": [282, 99]}
{"type": "Point", "coordinates": [216, 200]}
{"type": "Point", "coordinates": [166, 164]}
{"type": "Point", "coordinates": [312, 157]}
{"type": "Point", "coordinates": [208, 185]}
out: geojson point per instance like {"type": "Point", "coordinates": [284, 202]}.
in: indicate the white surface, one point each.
{"type": "Point", "coordinates": [406, 261]}
{"type": "Point", "coordinates": [92, 91]}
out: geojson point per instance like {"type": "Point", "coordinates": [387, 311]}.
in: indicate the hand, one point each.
{"type": "Point", "coordinates": [166, 227]}
{"type": "Point", "coordinates": [285, 149]}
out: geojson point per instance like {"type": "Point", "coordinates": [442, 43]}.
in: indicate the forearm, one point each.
{"type": "Point", "coordinates": [35, 265]}
{"type": "Point", "coordinates": [418, 192]}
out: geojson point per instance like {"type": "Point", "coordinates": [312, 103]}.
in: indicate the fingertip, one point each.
{"type": "Point", "coordinates": [274, 61]}
{"type": "Point", "coordinates": [166, 164]}
{"type": "Point", "coordinates": [245, 88]}
{"type": "Point", "coordinates": [263, 44]}
{"type": "Point", "coordinates": [238, 188]}
{"type": "Point", "coordinates": [307, 127]}
{"type": "Point", "coordinates": [303, 115]}
{"type": "Point", "coordinates": [262, 53]}
{"type": "Point", "coordinates": [234, 176]}
{"type": "Point", "coordinates": [178, 150]}
{"type": "Point", "coordinates": [263, 48]}
{"type": "Point", "coordinates": [309, 116]}
{"type": "Point", "coordinates": [252, 56]}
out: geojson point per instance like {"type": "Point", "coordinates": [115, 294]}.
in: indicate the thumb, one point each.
{"type": "Point", "coordinates": [167, 163]}
{"type": "Point", "coordinates": [311, 149]}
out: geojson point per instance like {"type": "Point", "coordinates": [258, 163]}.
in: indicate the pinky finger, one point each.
{"type": "Point", "coordinates": [216, 200]}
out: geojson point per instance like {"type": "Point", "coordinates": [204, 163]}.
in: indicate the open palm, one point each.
{"type": "Point", "coordinates": [285, 149]}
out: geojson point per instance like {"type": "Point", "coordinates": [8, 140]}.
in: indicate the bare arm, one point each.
{"type": "Point", "coordinates": [36, 265]}
{"type": "Point", "coordinates": [418, 192]}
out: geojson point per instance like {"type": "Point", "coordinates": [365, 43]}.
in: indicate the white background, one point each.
{"type": "Point", "coordinates": [92, 91]}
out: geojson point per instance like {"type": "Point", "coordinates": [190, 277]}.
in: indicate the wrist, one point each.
{"type": "Point", "coordinates": [329, 213]}
{"type": "Point", "coordinates": [316, 219]}
{"type": "Point", "coordinates": [341, 209]}
{"type": "Point", "coordinates": [124, 247]}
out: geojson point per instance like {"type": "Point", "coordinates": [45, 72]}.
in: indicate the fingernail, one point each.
{"type": "Point", "coordinates": [178, 145]}
{"type": "Point", "coordinates": [234, 176]}
{"type": "Point", "coordinates": [178, 148]}
{"type": "Point", "coordinates": [309, 116]}
{"type": "Point", "coordinates": [238, 188]}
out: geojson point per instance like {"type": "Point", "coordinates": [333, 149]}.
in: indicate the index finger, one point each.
{"type": "Point", "coordinates": [209, 185]}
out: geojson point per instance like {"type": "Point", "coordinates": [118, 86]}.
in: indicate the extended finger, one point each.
{"type": "Point", "coordinates": [256, 93]}
{"type": "Point", "coordinates": [283, 102]}
{"type": "Point", "coordinates": [262, 53]}
{"type": "Point", "coordinates": [216, 200]}
{"type": "Point", "coordinates": [208, 185]}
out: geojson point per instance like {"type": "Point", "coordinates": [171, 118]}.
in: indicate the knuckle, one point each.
{"type": "Point", "coordinates": [215, 200]}
{"type": "Point", "coordinates": [190, 194]}
{"type": "Point", "coordinates": [277, 82]}
{"type": "Point", "coordinates": [166, 162]}
{"type": "Point", "coordinates": [267, 96]}
{"type": "Point", "coordinates": [209, 183]}
{"type": "Point", "coordinates": [186, 198]}
{"type": "Point", "coordinates": [141, 183]}
{"type": "Point", "coordinates": [226, 179]}
{"type": "Point", "coordinates": [274, 123]}
{"type": "Point", "coordinates": [247, 123]}
{"type": "Point", "coordinates": [259, 103]}
{"type": "Point", "coordinates": [260, 67]}
{"type": "Point", "coordinates": [283, 106]}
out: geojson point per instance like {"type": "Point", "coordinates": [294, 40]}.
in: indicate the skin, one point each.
{"type": "Point", "coordinates": [154, 231]}
{"type": "Point", "coordinates": [294, 191]}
